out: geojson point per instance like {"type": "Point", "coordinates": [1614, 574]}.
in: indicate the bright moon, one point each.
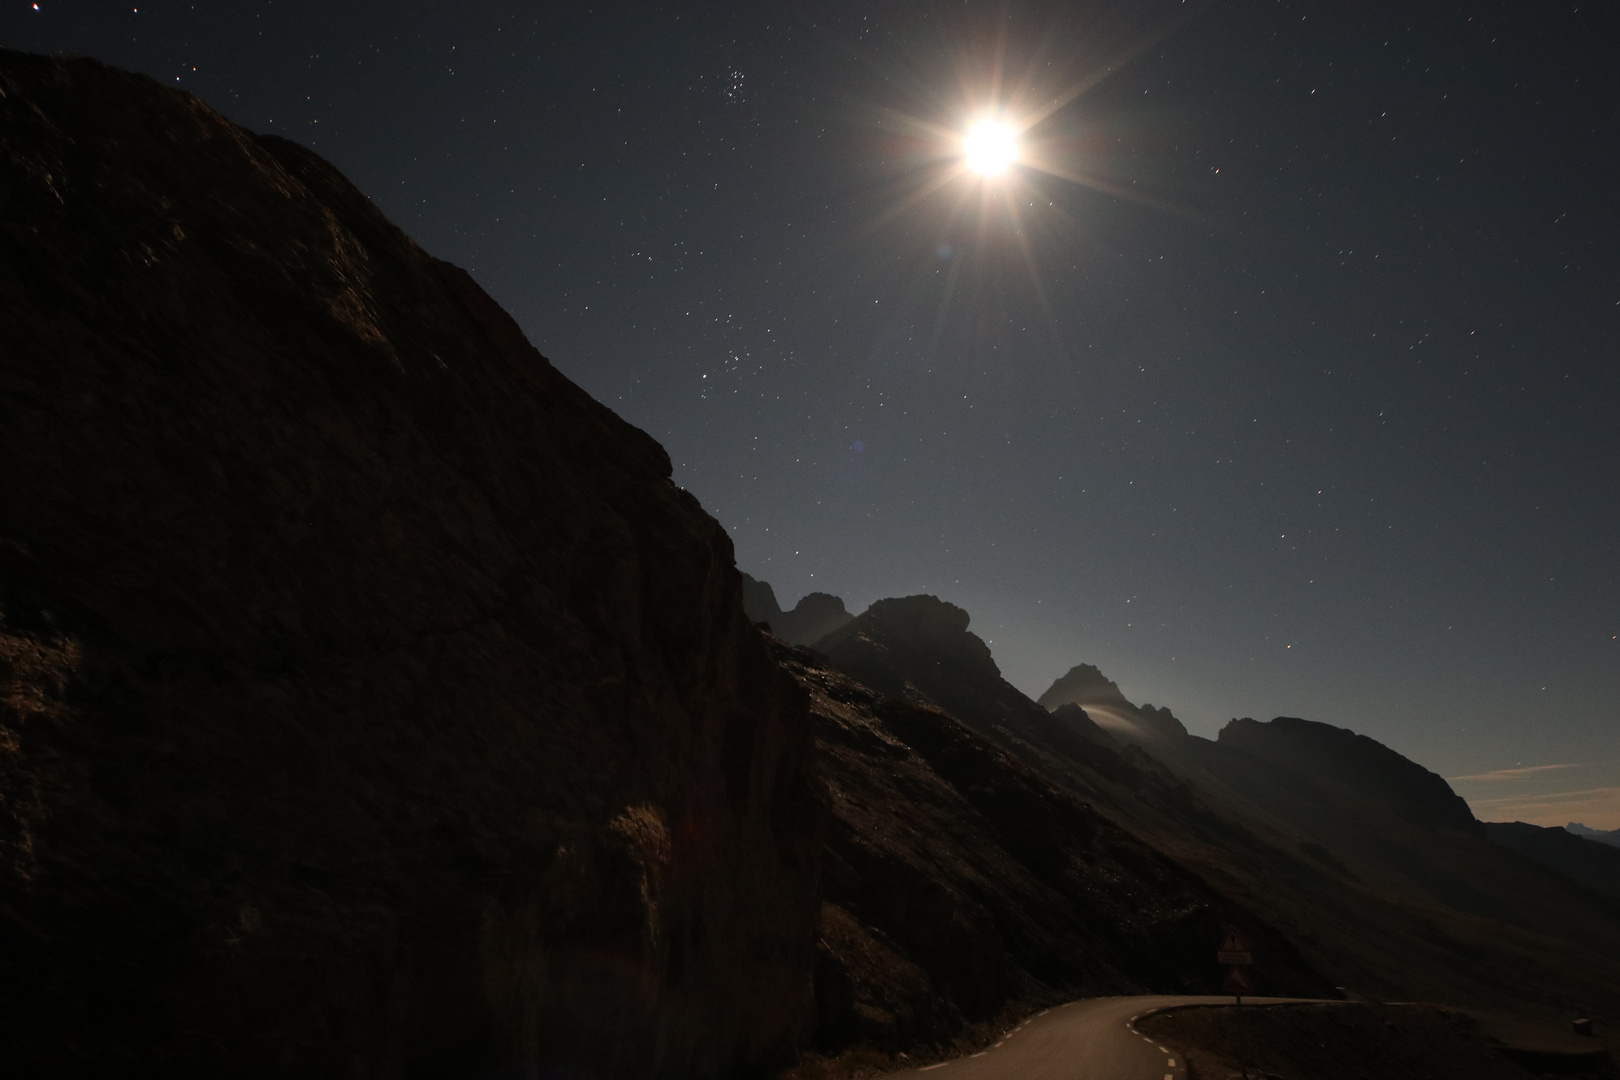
{"type": "Point", "coordinates": [989, 147]}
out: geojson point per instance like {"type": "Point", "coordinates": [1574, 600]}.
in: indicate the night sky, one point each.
{"type": "Point", "coordinates": [1278, 377]}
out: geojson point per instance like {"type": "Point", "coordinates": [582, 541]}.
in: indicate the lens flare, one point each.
{"type": "Point", "coordinates": [989, 147]}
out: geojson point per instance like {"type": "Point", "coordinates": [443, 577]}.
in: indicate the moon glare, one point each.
{"type": "Point", "coordinates": [989, 147]}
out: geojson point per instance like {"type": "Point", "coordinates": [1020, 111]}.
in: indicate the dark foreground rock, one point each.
{"type": "Point", "coordinates": [371, 703]}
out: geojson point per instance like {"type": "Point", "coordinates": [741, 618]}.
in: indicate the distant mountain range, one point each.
{"type": "Point", "coordinates": [1358, 867]}
{"type": "Point", "coordinates": [1612, 836]}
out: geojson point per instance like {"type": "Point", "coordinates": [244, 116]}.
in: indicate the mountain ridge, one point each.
{"type": "Point", "coordinates": [1332, 837]}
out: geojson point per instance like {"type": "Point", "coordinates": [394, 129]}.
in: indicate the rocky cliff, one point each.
{"type": "Point", "coordinates": [373, 704]}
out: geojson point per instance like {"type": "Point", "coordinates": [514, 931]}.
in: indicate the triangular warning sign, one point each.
{"type": "Point", "coordinates": [1237, 983]}
{"type": "Point", "coordinates": [1234, 949]}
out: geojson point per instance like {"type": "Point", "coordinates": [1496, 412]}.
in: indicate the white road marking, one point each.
{"type": "Point", "coordinates": [1162, 1050]}
{"type": "Point", "coordinates": [981, 1053]}
{"type": "Point", "coordinates": [1172, 1063]}
{"type": "Point", "coordinates": [941, 1065]}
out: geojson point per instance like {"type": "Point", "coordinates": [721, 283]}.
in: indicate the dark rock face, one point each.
{"type": "Point", "coordinates": [1355, 761]}
{"type": "Point", "coordinates": [1591, 863]}
{"type": "Point", "coordinates": [960, 883]}
{"type": "Point", "coordinates": [373, 705]}
{"type": "Point", "coordinates": [815, 616]}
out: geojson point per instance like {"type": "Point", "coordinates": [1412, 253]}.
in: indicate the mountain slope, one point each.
{"type": "Point", "coordinates": [374, 704]}
{"type": "Point", "coordinates": [1592, 863]}
{"type": "Point", "coordinates": [1374, 867]}
{"type": "Point", "coordinates": [1610, 837]}
{"type": "Point", "coordinates": [1368, 862]}
{"type": "Point", "coordinates": [1340, 756]}
{"type": "Point", "coordinates": [961, 884]}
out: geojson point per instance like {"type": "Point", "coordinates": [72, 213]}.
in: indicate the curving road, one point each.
{"type": "Point", "coordinates": [1091, 1039]}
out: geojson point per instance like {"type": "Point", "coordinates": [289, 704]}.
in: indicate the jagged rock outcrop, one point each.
{"type": "Point", "coordinates": [373, 704]}
{"type": "Point", "coordinates": [920, 648]}
{"type": "Point", "coordinates": [759, 600]}
{"type": "Point", "coordinates": [815, 616]}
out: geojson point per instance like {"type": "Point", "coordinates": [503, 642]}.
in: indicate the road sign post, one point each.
{"type": "Point", "coordinates": [1235, 951]}
{"type": "Point", "coordinates": [1237, 983]}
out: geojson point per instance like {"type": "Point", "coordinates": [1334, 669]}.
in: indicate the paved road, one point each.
{"type": "Point", "coordinates": [1083, 1040]}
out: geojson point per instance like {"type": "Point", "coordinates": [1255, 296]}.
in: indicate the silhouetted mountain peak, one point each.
{"type": "Point", "coordinates": [1354, 761]}
{"type": "Point", "coordinates": [759, 600]}
{"type": "Point", "coordinates": [923, 622]}
{"type": "Point", "coordinates": [821, 608]}
{"type": "Point", "coordinates": [815, 616]}
{"type": "Point", "coordinates": [1586, 832]}
{"type": "Point", "coordinates": [1086, 686]}
{"type": "Point", "coordinates": [1162, 721]}
{"type": "Point", "coordinates": [920, 648]}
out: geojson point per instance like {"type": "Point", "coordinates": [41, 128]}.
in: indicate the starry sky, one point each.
{"type": "Point", "coordinates": [1279, 377]}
